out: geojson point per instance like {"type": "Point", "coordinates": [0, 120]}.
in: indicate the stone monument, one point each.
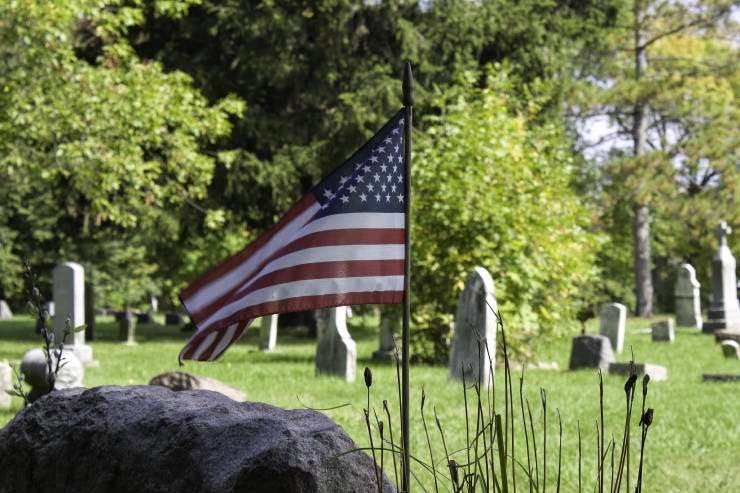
{"type": "Point", "coordinates": [390, 319]}
{"type": "Point", "coordinates": [475, 330]}
{"type": "Point", "coordinates": [724, 312]}
{"type": "Point", "coordinates": [686, 292]}
{"type": "Point", "coordinates": [591, 351]}
{"type": "Point", "coordinates": [336, 352]}
{"type": "Point", "coordinates": [611, 324]}
{"type": "Point", "coordinates": [35, 371]}
{"type": "Point", "coordinates": [730, 349]}
{"type": "Point", "coordinates": [662, 331]}
{"type": "Point", "coordinates": [5, 312]}
{"type": "Point", "coordinates": [268, 332]}
{"type": "Point", "coordinates": [6, 383]}
{"type": "Point", "coordinates": [69, 302]}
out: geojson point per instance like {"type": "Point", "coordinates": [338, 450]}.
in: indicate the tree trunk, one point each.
{"type": "Point", "coordinates": [641, 221]}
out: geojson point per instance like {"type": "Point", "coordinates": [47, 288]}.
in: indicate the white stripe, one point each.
{"type": "Point", "coordinates": [354, 220]}
{"type": "Point", "coordinates": [233, 277]}
{"type": "Point", "coordinates": [330, 254]}
{"type": "Point", "coordinates": [205, 344]}
{"type": "Point", "coordinates": [360, 220]}
{"type": "Point", "coordinates": [224, 342]}
{"type": "Point", "coordinates": [308, 287]}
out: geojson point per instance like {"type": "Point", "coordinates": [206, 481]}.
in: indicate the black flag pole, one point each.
{"type": "Point", "coordinates": [408, 103]}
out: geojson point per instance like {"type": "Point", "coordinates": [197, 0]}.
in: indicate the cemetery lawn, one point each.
{"type": "Point", "coordinates": [692, 445]}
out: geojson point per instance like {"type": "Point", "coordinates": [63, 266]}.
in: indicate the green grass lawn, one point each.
{"type": "Point", "coordinates": [692, 445]}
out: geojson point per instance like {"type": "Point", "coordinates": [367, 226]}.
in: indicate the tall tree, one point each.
{"type": "Point", "coordinates": [642, 83]}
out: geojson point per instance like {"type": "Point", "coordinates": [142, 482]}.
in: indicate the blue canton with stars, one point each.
{"type": "Point", "coordinates": [372, 180]}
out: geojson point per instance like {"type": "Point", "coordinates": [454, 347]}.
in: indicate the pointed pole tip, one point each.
{"type": "Point", "coordinates": [408, 85]}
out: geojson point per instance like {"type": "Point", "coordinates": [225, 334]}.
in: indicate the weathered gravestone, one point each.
{"type": "Point", "coordinates": [36, 371]}
{"type": "Point", "coordinates": [5, 312]}
{"type": "Point", "coordinates": [179, 380]}
{"type": "Point", "coordinates": [390, 318]}
{"type": "Point", "coordinates": [724, 311]}
{"type": "Point", "coordinates": [662, 331]}
{"type": "Point", "coordinates": [656, 372]}
{"type": "Point", "coordinates": [336, 352]}
{"type": "Point", "coordinates": [475, 330]}
{"type": "Point", "coordinates": [730, 349]}
{"type": "Point", "coordinates": [591, 351]}
{"type": "Point", "coordinates": [611, 324]}
{"type": "Point", "coordinates": [69, 302]}
{"type": "Point", "coordinates": [173, 318]}
{"type": "Point", "coordinates": [50, 308]}
{"type": "Point", "coordinates": [6, 383]}
{"type": "Point", "coordinates": [268, 332]}
{"type": "Point", "coordinates": [686, 292]}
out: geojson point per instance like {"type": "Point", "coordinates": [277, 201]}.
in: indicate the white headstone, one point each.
{"type": "Point", "coordinates": [154, 303]}
{"type": "Point", "coordinates": [724, 311]}
{"type": "Point", "coordinates": [268, 332]}
{"type": "Point", "coordinates": [730, 349]}
{"type": "Point", "coordinates": [6, 383]}
{"type": "Point", "coordinates": [475, 330]}
{"type": "Point", "coordinates": [50, 308]}
{"type": "Point", "coordinates": [35, 371]}
{"type": "Point", "coordinates": [336, 352]}
{"type": "Point", "coordinates": [69, 302]}
{"type": "Point", "coordinates": [5, 313]}
{"type": "Point", "coordinates": [688, 306]}
{"type": "Point", "coordinates": [612, 322]}
{"type": "Point", "coordinates": [662, 331]}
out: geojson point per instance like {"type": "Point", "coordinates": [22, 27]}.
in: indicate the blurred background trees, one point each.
{"type": "Point", "coordinates": [148, 139]}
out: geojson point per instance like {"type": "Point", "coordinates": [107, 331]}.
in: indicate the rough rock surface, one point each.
{"type": "Point", "coordinates": [148, 438]}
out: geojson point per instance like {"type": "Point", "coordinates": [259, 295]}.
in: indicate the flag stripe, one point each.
{"type": "Point", "coordinates": [311, 287]}
{"type": "Point", "coordinates": [346, 253]}
{"type": "Point", "coordinates": [227, 342]}
{"type": "Point", "coordinates": [240, 267]}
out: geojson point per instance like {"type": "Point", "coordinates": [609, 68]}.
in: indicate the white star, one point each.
{"type": "Point", "coordinates": [375, 151]}
{"type": "Point", "coordinates": [400, 198]}
{"type": "Point", "coordinates": [370, 187]}
{"type": "Point", "coordinates": [381, 149]}
{"type": "Point", "coordinates": [366, 169]}
{"type": "Point", "coordinates": [360, 179]}
{"type": "Point", "coordinates": [363, 197]}
{"type": "Point", "coordinates": [377, 177]}
{"type": "Point", "coordinates": [383, 167]}
{"type": "Point", "coordinates": [358, 165]}
{"type": "Point", "coordinates": [396, 148]}
{"type": "Point", "coordinates": [387, 140]}
{"type": "Point", "coordinates": [400, 178]}
{"type": "Point", "coordinates": [352, 189]}
{"type": "Point", "coordinates": [390, 177]}
{"type": "Point", "coordinates": [393, 188]}
{"type": "Point", "coordinates": [395, 168]}
{"type": "Point", "coordinates": [373, 159]}
{"type": "Point", "coordinates": [382, 187]}
{"type": "Point", "coordinates": [390, 158]}
{"type": "Point", "coordinates": [343, 179]}
{"type": "Point", "coordinates": [327, 193]}
{"type": "Point", "coordinates": [387, 198]}
{"type": "Point", "coordinates": [401, 121]}
{"type": "Point", "coordinates": [377, 197]}
{"type": "Point", "coordinates": [344, 199]}
{"type": "Point", "coordinates": [395, 131]}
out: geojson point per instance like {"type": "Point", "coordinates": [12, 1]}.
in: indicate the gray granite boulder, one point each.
{"type": "Point", "coordinates": [152, 439]}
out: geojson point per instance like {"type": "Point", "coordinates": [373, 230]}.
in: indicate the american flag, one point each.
{"type": "Point", "coordinates": [341, 244]}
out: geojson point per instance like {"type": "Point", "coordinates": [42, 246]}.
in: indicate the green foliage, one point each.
{"type": "Point", "coordinates": [96, 152]}
{"type": "Point", "coordinates": [492, 188]}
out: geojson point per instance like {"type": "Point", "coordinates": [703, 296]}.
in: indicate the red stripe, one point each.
{"type": "Point", "coordinates": [322, 270]}
{"type": "Point", "coordinates": [237, 334]}
{"type": "Point", "coordinates": [333, 237]}
{"type": "Point", "coordinates": [239, 257]}
{"type": "Point", "coordinates": [220, 333]}
{"type": "Point", "coordinates": [314, 302]}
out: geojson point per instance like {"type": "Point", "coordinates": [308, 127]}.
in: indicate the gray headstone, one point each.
{"type": "Point", "coordinates": [475, 330]}
{"type": "Point", "coordinates": [612, 322]}
{"type": "Point", "coordinates": [69, 302]}
{"type": "Point", "coordinates": [730, 349]}
{"type": "Point", "coordinates": [173, 318]}
{"type": "Point", "coordinates": [591, 351]}
{"type": "Point", "coordinates": [656, 372]}
{"type": "Point", "coordinates": [662, 331]}
{"type": "Point", "coordinates": [35, 371]}
{"type": "Point", "coordinates": [390, 321]}
{"type": "Point", "coordinates": [49, 307]}
{"type": "Point", "coordinates": [686, 292]}
{"type": "Point", "coordinates": [6, 383]}
{"type": "Point", "coordinates": [336, 352]}
{"type": "Point", "coordinates": [724, 311]}
{"type": "Point", "coordinates": [268, 332]}
{"type": "Point", "coordinates": [5, 313]}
